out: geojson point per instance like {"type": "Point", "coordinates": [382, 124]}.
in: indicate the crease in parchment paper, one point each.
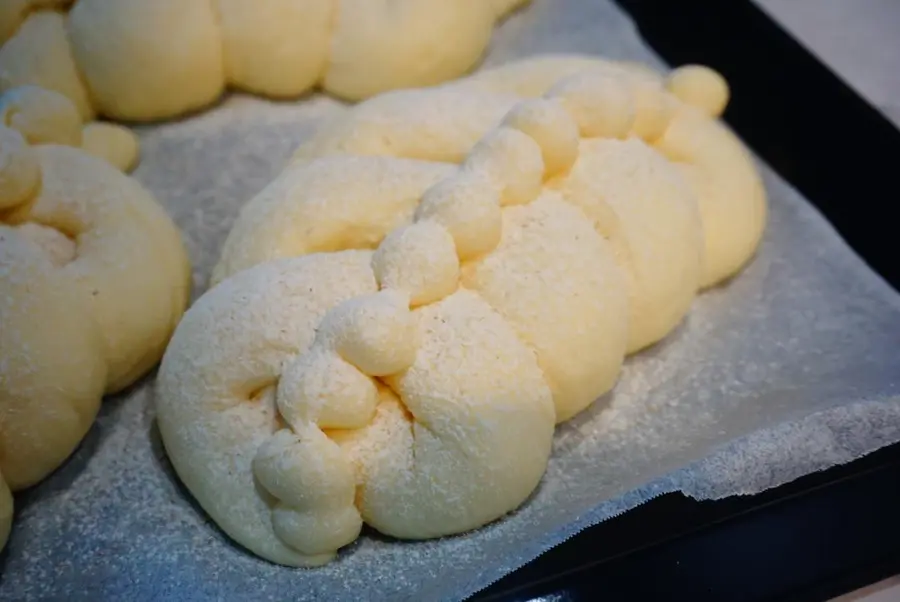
{"type": "Point", "coordinates": [789, 369]}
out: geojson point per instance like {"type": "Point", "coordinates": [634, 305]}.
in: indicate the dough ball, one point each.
{"type": "Point", "coordinates": [419, 260]}
{"type": "Point", "coordinates": [513, 160]}
{"type": "Point", "coordinates": [117, 145]}
{"type": "Point", "coordinates": [700, 87]}
{"type": "Point", "coordinates": [548, 123]}
{"type": "Point", "coordinates": [20, 172]}
{"type": "Point", "coordinates": [145, 61]}
{"type": "Point", "coordinates": [468, 206]}
{"type": "Point", "coordinates": [320, 388]}
{"type": "Point", "coordinates": [315, 486]}
{"type": "Point", "coordinates": [42, 116]}
{"type": "Point", "coordinates": [601, 104]}
{"type": "Point", "coordinates": [375, 333]}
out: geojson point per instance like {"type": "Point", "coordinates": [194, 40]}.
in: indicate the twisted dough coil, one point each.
{"type": "Point", "coordinates": [137, 60]}
{"type": "Point", "coordinates": [94, 276]}
{"type": "Point", "coordinates": [46, 117]}
{"type": "Point", "coordinates": [400, 318]}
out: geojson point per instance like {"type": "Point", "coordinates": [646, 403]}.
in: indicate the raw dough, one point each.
{"type": "Point", "coordinates": [114, 143]}
{"type": "Point", "coordinates": [716, 165]}
{"type": "Point", "coordinates": [401, 317]}
{"type": "Point", "coordinates": [44, 116]}
{"type": "Point", "coordinates": [139, 61]}
{"type": "Point", "coordinates": [94, 278]}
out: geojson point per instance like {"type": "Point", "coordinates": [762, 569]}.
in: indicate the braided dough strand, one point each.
{"type": "Point", "coordinates": [478, 279]}
{"type": "Point", "coordinates": [144, 61]}
{"type": "Point", "coordinates": [94, 278]}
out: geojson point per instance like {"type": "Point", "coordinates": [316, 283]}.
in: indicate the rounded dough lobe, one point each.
{"type": "Point", "coordinates": [39, 54]}
{"type": "Point", "coordinates": [548, 123]}
{"type": "Point", "coordinates": [727, 186]}
{"type": "Point", "coordinates": [477, 410]}
{"type": "Point", "coordinates": [314, 207]}
{"type": "Point", "coordinates": [468, 206]}
{"type": "Point", "coordinates": [130, 264]}
{"type": "Point", "coordinates": [113, 143]}
{"type": "Point", "coordinates": [54, 371]}
{"type": "Point", "coordinates": [431, 125]}
{"type": "Point", "coordinates": [376, 333]}
{"type": "Point", "coordinates": [419, 260]}
{"type": "Point", "coordinates": [700, 87]}
{"type": "Point", "coordinates": [601, 104]}
{"type": "Point", "coordinates": [643, 204]}
{"type": "Point", "coordinates": [513, 160]}
{"type": "Point", "coordinates": [42, 116]}
{"type": "Point", "coordinates": [556, 282]}
{"type": "Point", "coordinates": [391, 44]}
{"type": "Point", "coordinates": [144, 60]}
{"type": "Point", "coordinates": [278, 48]}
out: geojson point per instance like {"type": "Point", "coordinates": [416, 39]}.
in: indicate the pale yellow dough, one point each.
{"type": "Point", "coordinates": [43, 116]}
{"type": "Point", "coordinates": [117, 145]}
{"type": "Point", "coordinates": [139, 60]}
{"type": "Point", "coordinates": [398, 321]}
{"type": "Point", "coordinates": [94, 277]}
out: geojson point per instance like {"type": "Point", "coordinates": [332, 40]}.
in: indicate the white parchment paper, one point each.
{"type": "Point", "coordinates": [789, 369]}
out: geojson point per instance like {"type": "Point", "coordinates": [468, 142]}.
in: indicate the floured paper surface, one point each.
{"type": "Point", "coordinates": [790, 368]}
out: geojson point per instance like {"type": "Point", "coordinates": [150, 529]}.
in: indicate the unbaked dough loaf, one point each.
{"type": "Point", "coordinates": [44, 116]}
{"type": "Point", "coordinates": [94, 277]}
{"type": "Point", "coordinates": [401, 317]}
{"type": "Point", "coordinates": [139, 61]}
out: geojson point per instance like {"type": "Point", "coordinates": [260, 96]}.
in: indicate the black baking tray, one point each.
{"type": "Point", "coordinates": [822, 535]}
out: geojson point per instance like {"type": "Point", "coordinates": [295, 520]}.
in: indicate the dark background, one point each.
{"type": "Point", "coordinates": [825, 534]}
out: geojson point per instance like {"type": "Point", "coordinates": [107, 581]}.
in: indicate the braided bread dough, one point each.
{"type": "Point", "coordinates": [137, 60]}
{"type": "Point", "coordinates": [46, 117]}
{"type": "Point", "coordinates": [94, 277]}
{"type": "Point", "coordinates": [400, 318]}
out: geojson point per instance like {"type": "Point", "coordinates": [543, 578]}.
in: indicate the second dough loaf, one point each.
{"type": "Point", "coordinates": [401, 317]}
{"type": "Point", "coordinates": [136, 60]}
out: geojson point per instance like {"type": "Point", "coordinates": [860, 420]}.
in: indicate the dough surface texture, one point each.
{"type": "Point", "coordinates": [93, 278]}
{"type": "Point", "coordinates": [400, 319]}
{"type": "Point", "coordinates": [136, 60]}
